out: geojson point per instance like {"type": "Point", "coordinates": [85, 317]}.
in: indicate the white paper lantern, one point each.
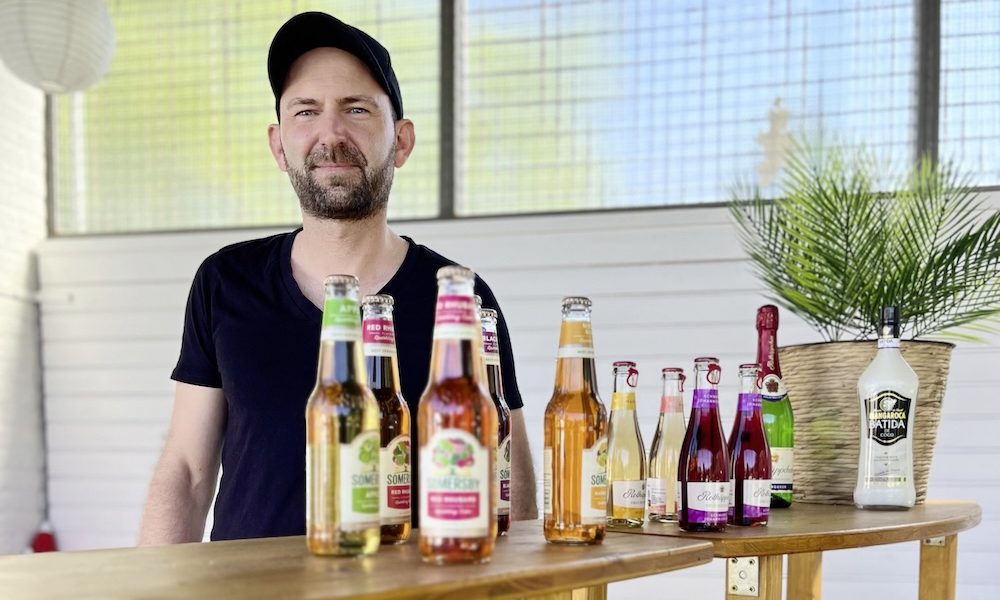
{"type": "Point", "coordinates": [56, 45]}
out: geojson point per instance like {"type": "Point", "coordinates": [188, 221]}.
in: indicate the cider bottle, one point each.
{"type": "Point", "coordinates": [379, 336]}
{"type": "Point", "coordinates": [626, 452]}
{"type": "Point", "coordinates": [703, 469]}
{"type": "Point", "coordinates": [491, 359]}
{"type": "Point", "coordinates": [779, 423]}
{"type": "Point", "coordinates": [661, 484]}
{"type": "Point", "coordinates": [342, 433]}
{"type": "Point", "coordinates": [749, 456]}
{"type": "Point", "coordinates": [457, 429]}
{"type": "Point", "coordinates": [887, 391]}
{"type": "Point", "coordinates": [576, 443]}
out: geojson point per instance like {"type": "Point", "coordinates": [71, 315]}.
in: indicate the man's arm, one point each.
{"type": "Point", "coordinates": [183, 483]}
{"type": "Point", "coordinates": [524, 506]}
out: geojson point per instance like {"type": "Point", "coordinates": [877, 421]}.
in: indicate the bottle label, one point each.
{"type": "Point", "coordinates": [748, 403]}
{"type": "Point", "coordinates": [887, 417]}
{"type": "Point", "coordinates": [394, 493]}
{"type": "Point", "coordinates": [379, 337]}
{"type": "Point", "coordinates": [576, 340]}
{"type": "Point", "coordinates": [359, 482]}
{"type": "Point", "coordinates": [706, 398]}
{"type": "Point", "coordinates": [455, 318]}
{"type": "Point", "coordinates": [491, 348]}
{"type": "Point", "coordinates": [772, 388]}
{"type": "Point", "coordinates": [708, 502]}
{"type": "Point", "coordinates": [627, 496]}
{"type": "Point", "coordinates": [656, 495]}
{"type": "Point", "coordinates": [888, 343]}
{"type": "Point", "coordinates": [623, 401]}
{"type": "Point", "coordinates": [594, 483]}
{"type": "Point", "coordinates": [547, 485]}
{"type": "Point", "coordinates": [782, 468]}
{"type": "Point", "coordinates": [455, 486]}
{"type": "Point", "coordinates": [756, 498]}
{"type": "Point", "coordinates": [503, 477]}
{"type": "Point", "coordinates": [670, 404]}
{"type": "Point", "coordinates": [341, 320]}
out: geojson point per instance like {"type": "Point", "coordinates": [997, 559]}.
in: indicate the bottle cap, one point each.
{"type": "Point", "coordinates": [384, 299]}
{"type": "Point", "coordinates": [767, 317]}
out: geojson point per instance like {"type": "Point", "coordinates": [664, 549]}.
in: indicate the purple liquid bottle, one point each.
{"type": "Point", "coordinates": [750, 456]}
{"type": "Point", "coordinates": [703, 467]}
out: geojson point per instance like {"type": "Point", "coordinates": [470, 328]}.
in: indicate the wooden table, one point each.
{"type": "Point", "coordinates": [523, 565]}
{"type": "Point", "coordinates": [804, 531]}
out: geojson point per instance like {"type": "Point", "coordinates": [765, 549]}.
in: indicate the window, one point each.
{"type": "Point", "coordinates": [562, 105]}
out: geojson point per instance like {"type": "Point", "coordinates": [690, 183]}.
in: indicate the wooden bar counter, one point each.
{"type": "Point", "coordinates": [523, 565]}
{"type": "Point", "coordinates": [804, 531]}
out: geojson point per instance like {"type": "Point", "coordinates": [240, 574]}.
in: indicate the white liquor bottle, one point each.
{"type": "Point", "coordinates": [887, 392]}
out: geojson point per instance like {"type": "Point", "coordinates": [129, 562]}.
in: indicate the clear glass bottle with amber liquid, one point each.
{"type": "Point", "coordinates": [661, 483]}
{"type": "Point", "coordinates": [626, 452]}
{"type": "Point", "coordinates": [576, 443]}
{"type": "Point", "coordinates": [703, 467]}
{"type": "Point", "coordinates": [457, 429]}
{"type": "Point", "coordinates": [887, 392]}
{"type": "Point", "coordinates": [779, 422]}
{"type": "Point", "coordinates": [749, 456]}
{"type": "Point", "coordinates": [342, 434]}
{"type": "Point", "coordinates": [379, 335]}
{"type": "Point", "coordinates": [494, 379]}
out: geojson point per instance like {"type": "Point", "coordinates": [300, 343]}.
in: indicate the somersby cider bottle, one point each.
{"type": "Point", "coordinates": [626, 452]}
{"type": "Point", "coordinates": [379, 336]}
{"type": "Point", "coordinates": [457, 429]}
{"type": "Point", "coordinates": [491, 358]}
{"type": "Point", "coordinates": [576, 444]}
{"type": "Point", "coordinates": [342, 434]}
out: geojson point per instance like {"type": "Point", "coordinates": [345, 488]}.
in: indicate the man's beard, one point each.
{"type": "Point", "coordinates": [337, 196]}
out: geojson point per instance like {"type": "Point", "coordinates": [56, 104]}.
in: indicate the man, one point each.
{"type": "Point", "coordinates": [251, 332]}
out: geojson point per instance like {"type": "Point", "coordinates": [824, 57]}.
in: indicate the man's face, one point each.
{"type": "Point", "coordinates": [337, 137]}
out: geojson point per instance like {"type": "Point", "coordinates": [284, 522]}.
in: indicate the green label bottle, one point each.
{"type": "Point", "coordinates": [779, 423]}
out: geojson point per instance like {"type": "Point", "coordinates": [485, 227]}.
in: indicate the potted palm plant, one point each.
{"type": "Point", "coordinates": [844, 239]}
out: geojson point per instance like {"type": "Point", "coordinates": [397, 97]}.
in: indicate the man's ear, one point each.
{"type": "Point", "coordinates": [405, 139]}
{"type": "Point", "coordinates": [274, 141]}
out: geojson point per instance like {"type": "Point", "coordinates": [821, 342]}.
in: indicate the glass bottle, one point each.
{"type": "Point", "coordinates": [661, 485]}
{"type": "Point", "coordinates": [576, 443]}
{"type": "Point", "coordinates": [379, 336]}
{"type": "Point", "coordinates": [342, 434]}
{"type": "Point", "coordinates": [491, 358]}
{"type": "Point", "coordinates": [779, 422]}
{"type": "Point", "coordinates": [703, 467]}
{"type": "Point", "coordinates": [457, 429]}
{"type": "Point", "coordinates": [750, 456]}
{"type": "Point", "coordinates": [887, 391]}
{"type": "Point", "coordinates": [626, 452]}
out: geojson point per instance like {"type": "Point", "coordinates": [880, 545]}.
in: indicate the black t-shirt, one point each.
{"type": "Point", "coordinates": [249, 330]}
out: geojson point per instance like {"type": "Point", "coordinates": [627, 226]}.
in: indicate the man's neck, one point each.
{"type": "Point", "coordinates": [367, 249]}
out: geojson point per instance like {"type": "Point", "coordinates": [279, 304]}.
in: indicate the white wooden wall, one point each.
{"type": "Point", "coordinates": [667, 286]}
{"type": "Point", "coordinates": [22, 227]}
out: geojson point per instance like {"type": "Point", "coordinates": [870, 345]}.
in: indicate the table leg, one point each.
{"type": "Point", "coordinates": [938, 560]}
{"type": "Point", "coordinates": [766, 583]}
{"type": "Point", "coordinates": [805, 575]}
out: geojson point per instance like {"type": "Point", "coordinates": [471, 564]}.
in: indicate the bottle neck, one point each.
{"type": "Point", "coordinates": [575, 366]}
{"type": "Point", "coordinates": [706, 389]}
{"type": "Point", "coordinates": [341, 358]}
{"type": "Point", "coordinates": [457, 349]}
{"type": "Point", "coordinates": [888, 340]}
{"type": "Point", "coordinates": [767, 351]}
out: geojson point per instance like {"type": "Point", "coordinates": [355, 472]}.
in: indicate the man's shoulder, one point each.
{"type": "Point", "coordinates": [426, 258]}
{"type": "Point", "coordinates": [246, 255]}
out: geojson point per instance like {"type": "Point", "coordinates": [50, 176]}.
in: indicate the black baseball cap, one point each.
{"type": "Point", "coordinates": [310, 30]}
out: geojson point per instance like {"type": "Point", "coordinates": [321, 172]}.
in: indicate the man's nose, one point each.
{"type": "Point", "coordinates": [333, 128]}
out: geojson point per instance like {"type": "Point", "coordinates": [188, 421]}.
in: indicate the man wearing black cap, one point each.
{"type": "Point", "coordinates": [251, 331]}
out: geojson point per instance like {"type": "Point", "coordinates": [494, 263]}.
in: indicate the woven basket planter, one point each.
{"type": "Point", "coordinates": [822, 382]}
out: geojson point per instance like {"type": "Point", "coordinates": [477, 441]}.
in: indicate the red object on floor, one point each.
{"type": "Point", "coordinates": [45, 539]}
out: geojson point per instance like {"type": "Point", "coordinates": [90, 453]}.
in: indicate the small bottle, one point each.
{"type": "Point", "coordinates": [661, 484]}
{"type": "Point", "coordinates": [382, 364]}
{"type": "Point", "coordinates": [491, 358]}
{"type": "Point", "coordinates": [703, 469]}
{"type": "Point", "coordinates": [342, 434]}
{"type": "Point", "coordinates": [626, 452]}
{"type": "Point", "coordinates": [887, 391]}
{"type": "Point", "coordinates": [457, 429]}
{"type": "Point", "coordinates": [779, 423]}
{"type": "Point", "coordinates": [750, 456]}
{"type": "Point", "coordinates": [576, 443]}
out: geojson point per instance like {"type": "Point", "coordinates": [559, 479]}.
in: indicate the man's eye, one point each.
{"type": "Point", "coordinates": [305, 113]}
{"type": "Point", "coordinates": [358, 110]}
